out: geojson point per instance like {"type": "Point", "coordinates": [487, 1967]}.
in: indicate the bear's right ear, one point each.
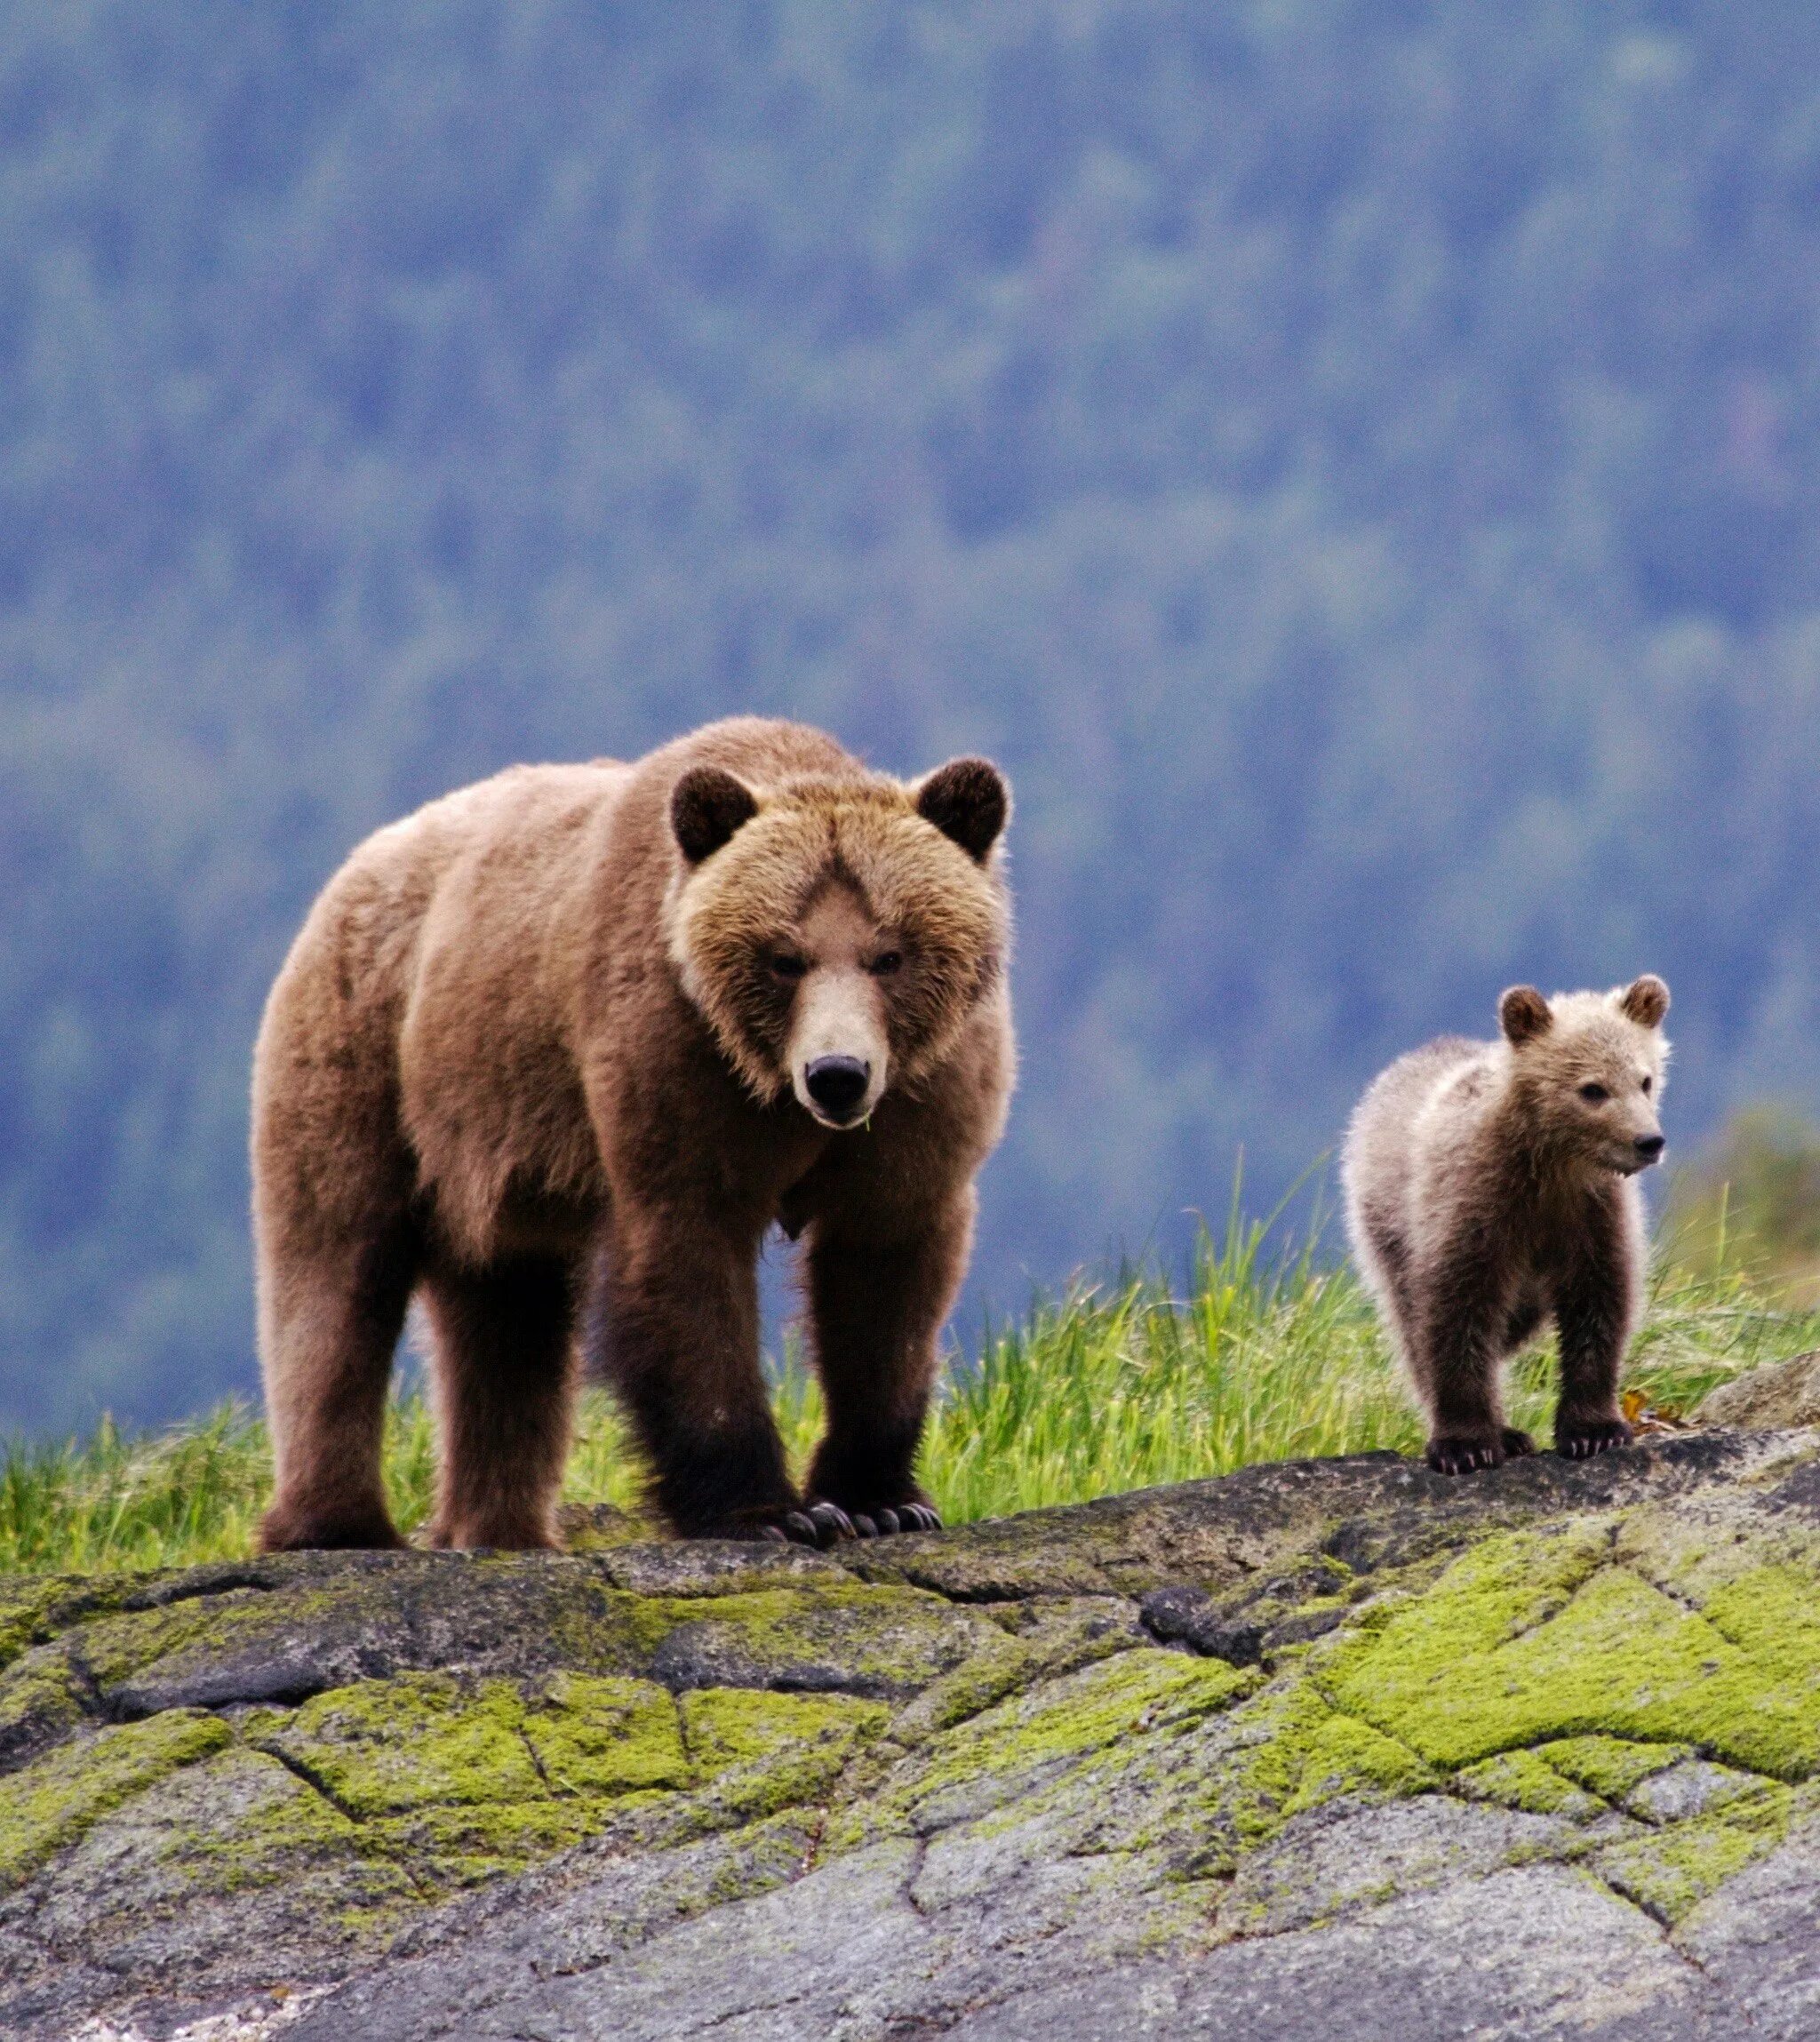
{"type": "Point", "coordinates": [707, 806]}
{"type": "Point", "coordinates": [1644, 1000]}
{"type": "Point", "coordinates": [968, 802]}
{"type": "Point", "coordinates": [1523, 1013]}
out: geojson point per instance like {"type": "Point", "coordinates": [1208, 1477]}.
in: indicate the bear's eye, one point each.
{"type": "Point", "coordinates": [1593, 1094]}
{"type": "Point", "coordinates": [786, 964]}
{"type": "Point", "coordinates": [886, 962]}
{"type": "Point", "coordinates": [1647, 1082]}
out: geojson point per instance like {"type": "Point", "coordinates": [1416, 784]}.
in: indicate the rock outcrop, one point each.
{"type": "Point", "coordinates": [1777, 1394]}
{"type": "Point", "coordinates": [1335, 1743]}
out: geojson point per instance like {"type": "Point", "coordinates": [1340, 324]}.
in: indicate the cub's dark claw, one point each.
{"type": "Point", "coordinates": [1581, 1442]}
{"type": "Point", "coordinates": [862, 1525]}
{"type": "Point", "coordinates": [1517, 1444]}
{"type": "Point", "coordinates": [919, 1517]}
{"type": "Point", "coordinates": [1455, 1456]}
{"type": "Point", "coordinates": [887, 1522]}
{"type": "Point", "coordinates": [774, 1535]}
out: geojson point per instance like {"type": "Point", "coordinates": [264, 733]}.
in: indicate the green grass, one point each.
{"type": "Point", "coordinates": [1111, 1386]}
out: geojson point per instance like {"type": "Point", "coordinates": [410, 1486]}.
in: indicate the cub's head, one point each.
{"type": "Point", "coordinates": [838, 932]}
{"type": "Point", "coordinates": [1590, 1069]}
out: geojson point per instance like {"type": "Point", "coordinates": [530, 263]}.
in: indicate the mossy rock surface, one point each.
{"type": "Point", "coordinates": [1536, 1753]}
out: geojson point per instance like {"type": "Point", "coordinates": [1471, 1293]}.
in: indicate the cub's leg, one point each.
{"type": "Point", "coordinates": [876, 1304]}
{"type": "Point", "coordinates": [329, 1317]}
{"type": "Point", "coordinates": [1457, 1351]}
{"type": "Point", "coordinates": [677, 1335]}
{"type": "Point", "coordinates": [503, 1372]}
{"type": "Point", "coordinates": [1595, 1308]}
{"type": "Point", "coordinates": [1520, 1329]}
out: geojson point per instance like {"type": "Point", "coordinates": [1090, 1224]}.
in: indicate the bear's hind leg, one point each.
{"type": "Point", "coordinates": [330, 1321]}
{"type": "Point", "coordinates": [503, 1374]}
{"type": "Point", "coordinates": [877, 1304]}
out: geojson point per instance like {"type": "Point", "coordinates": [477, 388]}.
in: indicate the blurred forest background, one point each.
{"type": "Point", "coordinates": [1352, 461]}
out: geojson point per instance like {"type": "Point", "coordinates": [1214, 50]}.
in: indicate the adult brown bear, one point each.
{"type": "Point", "coordinates": [553, 1053]}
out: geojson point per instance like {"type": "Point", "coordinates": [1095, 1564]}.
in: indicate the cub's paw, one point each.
{"type": "Point", "coordinates": [1460, 1452]}
{"type": "Point", "coordinates": [1580, 1439]}
{"type": "Point", "coordinates": [881, 1520]}
{"type": "Point", "coordinates": [1516, 1444]}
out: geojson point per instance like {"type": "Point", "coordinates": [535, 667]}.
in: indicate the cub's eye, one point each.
{"type": "Point", "coordinates": [784, 964]}
{"type": "Point", "coordinates": [1593, 1095]}
{"type": "Point", "coordinates": [886, 962]}
{"type": "Point", "coordinates": [1647, 1082]}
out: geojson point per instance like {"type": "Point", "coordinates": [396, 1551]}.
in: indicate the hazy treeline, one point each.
{"type": "Point", "coordinates": [1354, 463]}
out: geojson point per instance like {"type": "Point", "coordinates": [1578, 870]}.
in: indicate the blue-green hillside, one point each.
{"type": "Point", "coordinates": [1354, 463]}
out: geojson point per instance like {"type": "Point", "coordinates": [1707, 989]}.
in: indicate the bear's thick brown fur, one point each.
{"type": "Point", "coordinates": [1489, 1186]}
{"type": "Point", "coordinates": [554, 1053]}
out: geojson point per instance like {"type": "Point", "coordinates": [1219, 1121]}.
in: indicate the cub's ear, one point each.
{"type": "Point", "coordinates": [967, 800]}
{"type": "Point", "coordinates": [1644, 1000]}
{"type": "Point", "coordinates": [707, 806]}
{"type": "Point", "coordinates": [1523, 1014]}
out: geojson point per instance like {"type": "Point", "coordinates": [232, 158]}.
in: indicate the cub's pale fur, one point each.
{"type": "Point", "coordinates": [1491, 1186]}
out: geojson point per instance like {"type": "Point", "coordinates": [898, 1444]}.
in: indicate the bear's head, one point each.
{"type": "Point", "coordinates": [837, 932]}
{"type": "Point", "coordinates": [1588, 1071]}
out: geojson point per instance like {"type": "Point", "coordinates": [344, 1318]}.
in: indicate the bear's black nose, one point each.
{"type": "Point", "coordinates": [837, 1084]}
{"type": "Point", "coordinates": [1650, 1146]}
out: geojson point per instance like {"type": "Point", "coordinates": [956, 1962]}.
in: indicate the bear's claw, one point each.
{"type": "Point", "coordinates": [818, 1525]}
{"type": "Point", "coordinates": [884, 1520]}
{"type": "Point", "coordinates": [1456, 1456]}
{"type": "Point", "coordinates": [1579, 1441]}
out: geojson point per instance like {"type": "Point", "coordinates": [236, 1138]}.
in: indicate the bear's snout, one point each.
{"type": "Point", "coordinates": [1649, 1146]}
{"type": "Point", "coordinates": [837, 1085]}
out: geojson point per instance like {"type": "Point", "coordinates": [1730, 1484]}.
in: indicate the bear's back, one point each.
{"type": "Point", "coordinates": [1427, 1094]}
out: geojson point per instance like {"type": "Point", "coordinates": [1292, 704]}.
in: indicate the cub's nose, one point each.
{"type": "Point", "coordinates": [837, 1084]}
{"type": "Point", "coordinates": [1650, 1146]}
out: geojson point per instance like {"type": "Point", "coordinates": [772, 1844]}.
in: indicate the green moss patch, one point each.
{"type": "Point", "coordinates": [1115, 1712]}
{"type": "Point", "coordinates": [38, 1704]}
{"type": "Point", "coordinates": [1673, 1870]}
{"type": "Point", "coordinates": [1537, 1636]}
{"type": "Point", "coordinates": [882, 1644]}
{"type": "Point", "coordinates": [428, 1740]}
{"type": "Point", "coordinates": [461, 1778]}
{"type": "Point", "coordinates": [1291, 1752]}
{"type": "Point", "coordinates": [48, 1807]}
{"type": "Point", "coordinates": [760, 1753]}
{"type": "Point", "coordinates": [1609, 1767]}
{"type": "Point", "coordinates": [1522, 1780]}
{"type": "Point", "coordinates": [34, 1608]}
{"type": "Point", "coordinates": [1343, 1756]}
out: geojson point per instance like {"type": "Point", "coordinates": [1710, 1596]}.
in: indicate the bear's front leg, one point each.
{"type": "Point", "coordinates": [1456, 1363]}
{"type": "Point", "coordinates": [878, 1294]}
{"type": "Point", "coordinates": [1595, 1307]}
{"type": "Point", "coordinates": [676, 1335]}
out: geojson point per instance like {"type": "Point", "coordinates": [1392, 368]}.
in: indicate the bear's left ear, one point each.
{"type": "Point", "coordinates": [1644, 1000]}
{"type": "Point", "coordinates": [968, 802]}
{"type": "Point", "coordinates": [707, 806]}
{"type": "Point", "coordinates": [1523, 1014]}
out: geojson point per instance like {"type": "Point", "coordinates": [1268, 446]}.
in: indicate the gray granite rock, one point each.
{"type": "Point", "coordinates": [1774, 1393]}
{"type": "Point", "coordinates": [1328, 1745]}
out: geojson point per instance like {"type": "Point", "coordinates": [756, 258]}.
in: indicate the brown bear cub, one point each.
{"type": "Point", "coordinates": [552, 1054]}
{"type": "Point", "coordinates": [1489, 1186]}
